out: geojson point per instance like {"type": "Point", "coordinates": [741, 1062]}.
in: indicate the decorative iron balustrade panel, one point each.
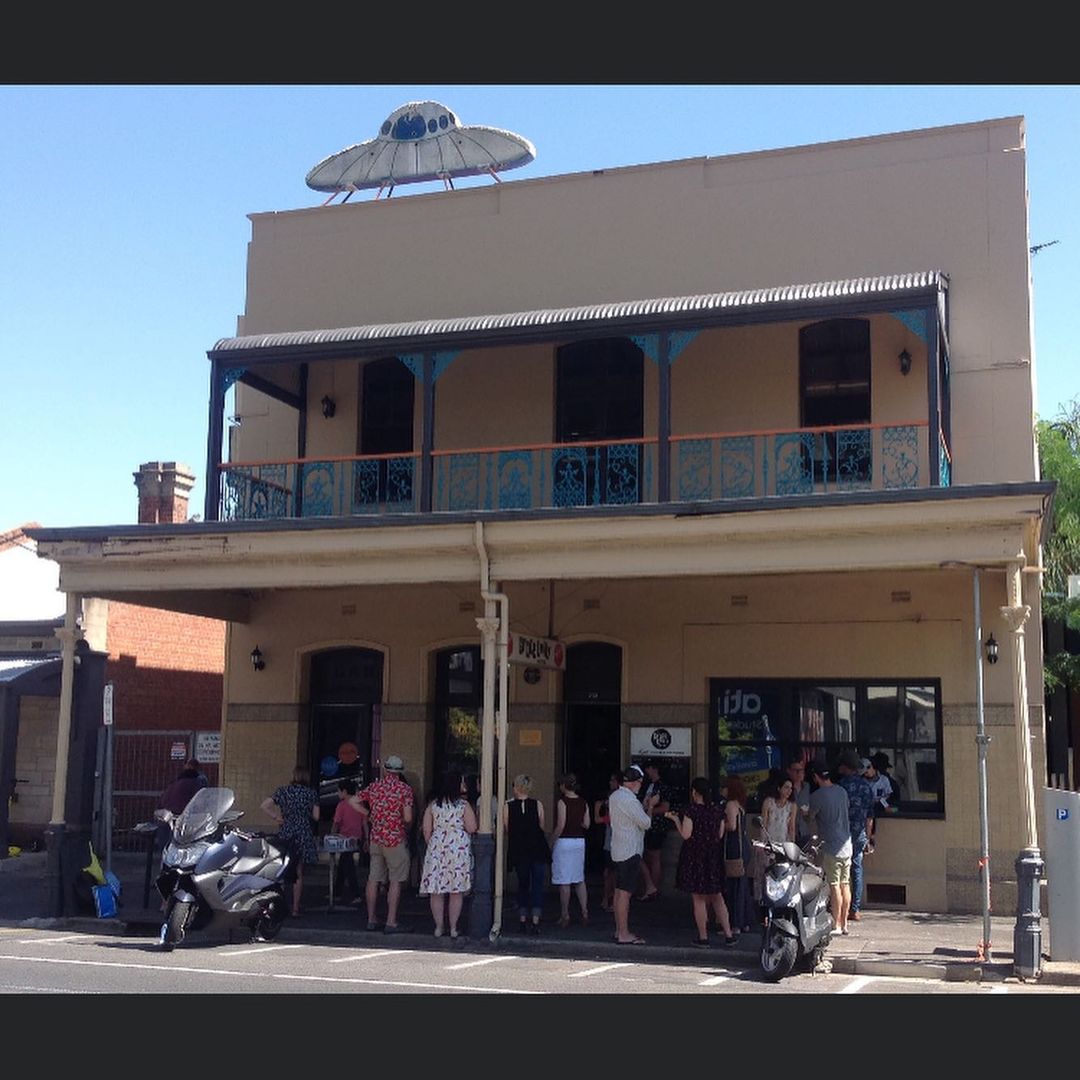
{"type": "Point", "coordinates": [459, 481]}
{"type": "Point", "coordinates": [319, 486]}
{"type": "Point", "coordinates": [385, 485]}
{"type": "Point", "coordinates": [737, 467]}
{"type": "Point", "coordinates": [899, 457]}
{"type": "Point", "coordinates": [854, 459]}
{"type": "Point", "coordinates": [793, 454]}
{"type": "Point", "coordinates": [515, 480]}
{"type": "Point", "coordinates": [694, 470]}
{"type": "Point", "coordinates": [256, 493]}
{"type": "Point", "coordinates": [569, 476]}
{"type": "Point", "coordinates": [624, 463]}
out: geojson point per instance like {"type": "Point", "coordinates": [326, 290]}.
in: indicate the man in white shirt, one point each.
{"type": "Point", "coordinates": [630, 820]}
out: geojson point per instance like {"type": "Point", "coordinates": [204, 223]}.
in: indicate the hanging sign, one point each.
{"type": "Point", "coordinates": [536, 652]}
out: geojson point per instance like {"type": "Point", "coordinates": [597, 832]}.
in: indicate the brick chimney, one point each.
{"type": "Point", "coordinates": [163, 492]}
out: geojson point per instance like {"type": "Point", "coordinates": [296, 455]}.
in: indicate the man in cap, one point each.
{"type": "Point", "coordinates": [829, 811]}
{"type": "Point", "coordinates": [860, 812]}
{"type": "Point", "coordinates": [389, 801]}
{"type": "Point", "coordinates": [629, 820]}
{"type": "Point", "coordinates": [882, 792]}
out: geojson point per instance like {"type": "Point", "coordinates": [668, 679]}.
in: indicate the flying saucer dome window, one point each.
{"type": "Point", "coordinates": [421, 141]}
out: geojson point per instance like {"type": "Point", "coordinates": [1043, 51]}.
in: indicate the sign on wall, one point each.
{"type": "Point", "coordinates": [536, 651]}
{"type": "Point", "coordinates": [178, 751]}
{"type": "Point", "coordinates": [208, 747]}
{"type": "Point", "coordinates": [658, 742]}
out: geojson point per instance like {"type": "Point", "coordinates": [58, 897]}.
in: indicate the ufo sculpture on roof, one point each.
{"type": "Point", "coordinates": [420, 141]}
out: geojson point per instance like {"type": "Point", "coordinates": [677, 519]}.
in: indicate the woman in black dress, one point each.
{"type": "Point", "coordinates": [527, 846]}
{"type": "Point", "coordinates": [701, 860]}
{"type": "Point", "coordinates": [295, 807]}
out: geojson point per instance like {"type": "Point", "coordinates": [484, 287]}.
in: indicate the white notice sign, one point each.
{"type": "Point", "coordinates": [659, 742]}
{"type": "Point", "coordinates": [208, 747]}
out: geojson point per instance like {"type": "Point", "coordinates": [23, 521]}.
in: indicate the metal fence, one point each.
{"type": "Point", "coordinates": [144, 764]}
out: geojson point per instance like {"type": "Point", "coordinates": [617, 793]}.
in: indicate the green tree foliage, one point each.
{"type": "Point", "coordinates": [1059, 460]}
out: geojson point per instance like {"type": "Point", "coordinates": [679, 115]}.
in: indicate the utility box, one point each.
{"type": "Point", "coordinates": [1062, 854]}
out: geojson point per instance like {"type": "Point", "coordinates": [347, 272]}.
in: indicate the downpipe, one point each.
{"type": "Point", "coordinates": [494, 597]}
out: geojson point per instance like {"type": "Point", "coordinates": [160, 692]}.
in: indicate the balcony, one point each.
{"type": "Point", "coordinates": [562, 476]}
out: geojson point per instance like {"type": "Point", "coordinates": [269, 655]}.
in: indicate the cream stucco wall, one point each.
{"type": "Point", "coordinates": [676, 636]}
{"type": "Point", "coordinates": [951, 199]}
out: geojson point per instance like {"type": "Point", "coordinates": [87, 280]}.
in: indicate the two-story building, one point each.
{"type": "Point", "coordinates": [738, 434]}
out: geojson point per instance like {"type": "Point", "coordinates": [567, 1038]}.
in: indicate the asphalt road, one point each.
{"type": "Point", "coordinates": [59, 962]}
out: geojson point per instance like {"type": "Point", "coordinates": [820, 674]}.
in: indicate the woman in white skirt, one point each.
{"type": "Point", "coordinates": [568, 848]}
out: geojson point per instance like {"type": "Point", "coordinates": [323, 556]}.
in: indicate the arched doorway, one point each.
{"type": "Point", "coordinates": [592, 731]}
{"type": "Point", "coordinates": [346, 688]}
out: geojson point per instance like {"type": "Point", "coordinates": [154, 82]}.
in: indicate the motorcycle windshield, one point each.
{"type": "Point", "coordinates": [202, 814]}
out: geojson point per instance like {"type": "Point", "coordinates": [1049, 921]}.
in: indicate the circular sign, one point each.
{"type": "Point", "coordinates": [661, 738]}
{"type": "Point", "coordinates": [558, 654]}
{"type": "Point", "coordinates": [532, 675]}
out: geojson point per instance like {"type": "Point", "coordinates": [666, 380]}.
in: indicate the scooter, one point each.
{"type": "Point", "coordinates": [797, 924]}
{"type": "Point", "coordinates": [214, 875]}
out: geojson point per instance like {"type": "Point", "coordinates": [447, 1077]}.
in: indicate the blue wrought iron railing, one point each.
{"type": "Point", "coordinates": [706, 467]}
{"type": "Point", "coordinates": [549, 475]}
{"type": "Point", "coordinates": [762, 463]}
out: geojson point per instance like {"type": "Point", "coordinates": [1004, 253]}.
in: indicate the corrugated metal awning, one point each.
{"type": "Point", "coordinates": [10, 670]}
{"type": "Point", "coordinates": [631, 315]}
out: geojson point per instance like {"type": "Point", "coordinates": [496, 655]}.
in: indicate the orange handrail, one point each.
{"type": "Point", "coordinates": [318, 460]}
{"type": "Point", "coordinates": [800, 431]}
{"type": "Point", "coordinates": [647, 440]}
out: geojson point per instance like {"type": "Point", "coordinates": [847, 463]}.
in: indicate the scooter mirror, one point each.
{"type": "Point", "coordinates": [163, 815]}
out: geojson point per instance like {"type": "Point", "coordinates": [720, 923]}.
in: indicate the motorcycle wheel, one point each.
{"type": "Point", "coordinates": [175, 927]}
{"type": "Point", "coordinates": [778, 954]}
{"type": "Point", "coordinates": [267, 925]}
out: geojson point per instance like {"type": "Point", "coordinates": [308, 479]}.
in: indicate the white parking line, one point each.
{"type": "Point", "coordinates": [48, 941]}
{"type": "Point", "coordinates": [261, 949]}
{"type": "Point", "coordinates": [371, 955]}
{"type": "Point", "coordinates": [247, 975]}
{"type": "Point", "coordinates": [477, 963]}
{"type": "Point", "coordinates": [715, 980]}
{"type": "Point", "coordinates": [999, 990]}
{"type": "Point", "coordinates": [856, 985]}
{"type": "Point", "coordinates": [594, 971]}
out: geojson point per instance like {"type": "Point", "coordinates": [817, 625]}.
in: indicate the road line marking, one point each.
{"type": "Point", "coordinates": [371, 955]}
{"type": "Point", "coordinates": [41, 989]}
{"type": "Point", "coordinates": [247, 975]}
{"type": "Point", "coordinates": [856, 985]}
{"type": "Point", "coordinates": [477, 963]}
{"type": "Point", "coordinates": [594, 971]}
{"type": "Point", "coordinates": [999, 990]}
{"type": "Point", "coordinates": [48, 941]}
{"type": "Point", "coordinates": [261, 949]}
{"type": "Point", "coordinates": [715, 980]}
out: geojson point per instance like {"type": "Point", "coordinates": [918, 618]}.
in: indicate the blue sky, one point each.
{"type": "Point", "coordinates": [123, 233]}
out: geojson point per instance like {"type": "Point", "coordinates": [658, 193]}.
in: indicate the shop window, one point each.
{"type": "Point", "coordinates": [762, 724]}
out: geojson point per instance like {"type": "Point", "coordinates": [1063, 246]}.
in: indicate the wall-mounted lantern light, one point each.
{"type": "Point", "coordinates": [257, 661]}
{"type": "Point", "coordinates": [329, 406]}
{"type": "Point", "coordinates": [991, 650]}
{"type": "Point", "coordinates": [905, 363]}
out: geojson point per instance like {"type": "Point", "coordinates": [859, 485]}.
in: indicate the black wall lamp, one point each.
{"type": "Point", "coordinates": [991, 647]}
{"type": "Point", "coordinates": [905, 363]}
{"type": "Point", "coordinates": [329, 406]}
{"type": "Point", "coordinates": [257, 661]}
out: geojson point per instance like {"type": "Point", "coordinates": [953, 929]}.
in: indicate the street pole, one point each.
{"type": "Point", "coordinates": [982, 740]}
{"type": "Point", "coordinates": [1027, 932]}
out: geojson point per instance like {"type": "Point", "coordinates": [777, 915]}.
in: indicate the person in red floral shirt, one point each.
{"type": "Point", "coordinates": [389, 802]}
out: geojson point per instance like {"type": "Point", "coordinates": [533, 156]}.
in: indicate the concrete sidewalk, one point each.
{"type": "Point", "coordinates": [884, 942]}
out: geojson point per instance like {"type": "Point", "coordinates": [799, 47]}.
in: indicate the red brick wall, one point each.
{"type": "Point", "coordinates": [166, 668]}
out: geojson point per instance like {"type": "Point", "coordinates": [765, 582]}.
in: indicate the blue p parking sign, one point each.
{"type": "Point", "coordinates": [1063, 813]}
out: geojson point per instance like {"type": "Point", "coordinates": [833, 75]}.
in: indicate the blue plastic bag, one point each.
{"type": "Point", "coordinates": [104, 901]}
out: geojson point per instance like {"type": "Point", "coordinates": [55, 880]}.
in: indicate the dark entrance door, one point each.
{"type": "Point", "coordinates": [346, 688]}
{"type": "Point", "coordinates": [592, 692]}
{"type": "Point", "coordinates": [386, 427]}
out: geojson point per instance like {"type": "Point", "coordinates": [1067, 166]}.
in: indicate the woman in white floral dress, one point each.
{"type": "Point", "coordinates": [448, 862]}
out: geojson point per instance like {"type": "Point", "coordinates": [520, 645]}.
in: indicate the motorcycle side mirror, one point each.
{"type": "Point", "coordinates": [232, 815]}
{"type": "Point", "coordinates": [163, 815]}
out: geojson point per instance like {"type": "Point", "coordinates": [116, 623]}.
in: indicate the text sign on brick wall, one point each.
{"type": "Point", "coordinates": [208, 747]}
{"type": "Point", "coordinates": [178, 751]}
{"type": "Point", "coordinates": [106, 704]}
